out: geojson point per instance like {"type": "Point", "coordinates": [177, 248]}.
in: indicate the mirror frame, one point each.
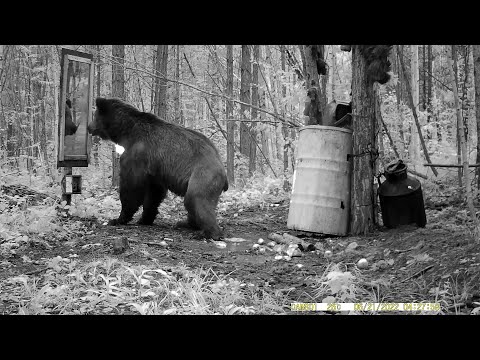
{"type": "Point", "coordinates": [65, 160]}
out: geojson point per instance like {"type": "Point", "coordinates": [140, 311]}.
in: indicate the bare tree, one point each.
{"type": "Point", "coordinates": [96, 139]}
{"type": "Point", "coordinates": [255, 101]}
{"type": "Point", "coordinates": [412, 106]}
{"type": "Point", "coordinates": [461, 135]}
{"type": "Point", "coordinates": [118, 91]}
{"type": "Point", "coordinates": [315, 66]}
{"type": "Point", "coordinates": [429, 89]}
{"type": "Point", "coordinates": [286, 185]}
{"type": "Point", "coordinates": [245, 81]}
{"type": "Point", "coordinates": [178, 115]}
{"type": "Point", "coordinates": [229, 114]}
{"type": "Point", "coordinates": [414, 149]}
{"type": "Point", "coordinates": [476, 70]}
{"type": "Point", "coordinates": [160, 83]}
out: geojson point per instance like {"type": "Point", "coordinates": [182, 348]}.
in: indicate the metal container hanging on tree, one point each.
{"type": "Point", "coordinates": [401, 197]}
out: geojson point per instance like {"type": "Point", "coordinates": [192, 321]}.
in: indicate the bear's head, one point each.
{"type": "Point", "coordinates": [102, 120]}
{"type": "Point", "coordinates": [116, 120]}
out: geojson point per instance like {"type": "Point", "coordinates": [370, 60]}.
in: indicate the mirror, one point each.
{"type": "Point", "coordinates": [75, 108]}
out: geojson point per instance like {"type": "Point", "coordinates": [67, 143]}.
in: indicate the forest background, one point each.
{"type": "Point", "coordinates": [189, 85]}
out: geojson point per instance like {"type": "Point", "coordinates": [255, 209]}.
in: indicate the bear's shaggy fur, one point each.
{"type": "Point", "coordinates": [378, 65]}
{"type": "Point", "coordinates": [161, 156]}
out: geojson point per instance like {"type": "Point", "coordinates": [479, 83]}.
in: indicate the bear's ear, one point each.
{"type": "Point", "coordinates": [102, 104]}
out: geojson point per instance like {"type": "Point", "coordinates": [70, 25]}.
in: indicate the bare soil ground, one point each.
{"type": "Point", "coordinates": [438, 263]}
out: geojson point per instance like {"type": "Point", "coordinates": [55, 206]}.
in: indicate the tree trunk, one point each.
{"type": "Point", "coordinates": [30, 122]}
{"type": "Point", "coordinates": [476, 70]}
{"type": "Point", "coordinates": [465, 86]}
{"type": "Point", "coordinates": [43, 100]}
{"type": "Point", "coordinates": [96, 139]}
{"type": "Point", "coordinates": [304, 62]}
{"type": "Point", "coordinates": [332, 74]}
{"type": "Point", "coordinates": [245, 81]}
{"type": "Point", "coordinates": [414, 148]}
{"type": "Point", "coordinates": [161, 83]}
{"type": "Point", "coordinates": [118, 72]}
{"type": "Point", "coordinates": [118, 91]}
{"type": "Point", "coordinates": [154, 80]}
{"type": "Point", "coordinates": [264, 133]}
{"type": "Point", "coordinates": [178, 118]}
{"type": "Point", "coordinates": [429, 92]}
{"type": "Point", "coordinates": [461, 132]}
{"type": "Point", "coordinates": [311, 72]}
{"type": "Point", "coordinates": [363, 109]}
{"type": "Point", "coordinates": [323, 83]}
{"type": "Point", "coordinates": [56, 99]}
{"type": "Point", "coordinates": [3, 152]}
{"type": "Point", "coordinates": [277, 146]}
{"type": "Point", "coordinates": [424, 77]}
{"type": "Point", "coordinates": [229, 115]}
{"type": "Point", "coordinates": [381, 152]}
{"type": "Point", "coordinates": [415, 116]}
{"type": "Point", "coordinates": [314, 55]}
{"type": "Point", "coordinates": [457, 137]}
{"type": "Point", "coordinates": [286, 185]}
{"type": "Point", "coordinates": [398, 93]}
{"type": "Point", "coordinates": [253, 132]}
{"type": "Point", "coordinates": [435, 111]}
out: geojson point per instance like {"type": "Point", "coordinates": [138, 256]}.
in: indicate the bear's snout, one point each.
{"type": "Point", "coordinates": [90, 128]}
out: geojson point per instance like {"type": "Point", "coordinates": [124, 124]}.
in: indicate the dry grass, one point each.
{"type": "Point", "coordinates": [110, 286]}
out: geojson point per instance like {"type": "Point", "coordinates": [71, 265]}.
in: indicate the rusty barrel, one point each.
{"type": "Point", "coordinates": [320, 200]}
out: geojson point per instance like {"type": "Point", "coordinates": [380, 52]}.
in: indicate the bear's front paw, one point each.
{"type": "Point", "coordinates": [214, 235]}
{"type": "Point", "coordinates": [113, 222]}
{"type": "Point", "coordinates": [185, 224]}
{"type": "Point", "coordinates": [144, 222]}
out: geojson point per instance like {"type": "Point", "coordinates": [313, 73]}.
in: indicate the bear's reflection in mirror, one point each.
{"type": "Point", "coordinates": [70, 126]}
{"type": "Point", "coordinates": [76, 109]}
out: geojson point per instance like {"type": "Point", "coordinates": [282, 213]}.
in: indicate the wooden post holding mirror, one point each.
{"type": "Point", "coordinates": [75, 111]}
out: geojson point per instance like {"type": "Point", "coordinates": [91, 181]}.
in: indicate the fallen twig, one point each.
{"type": "Point", "coordinates": [402, 251]}
{"type": "Point", "coordinates": [459, 305]}
{"type": "Point", "coordinates": [410, 248]}
{"type": "Point", "coordinates": [36, 271]}
{"type": "Point", "coordinates": [154, 243]}
{"type": "Point", "coordinates": [417, 274]}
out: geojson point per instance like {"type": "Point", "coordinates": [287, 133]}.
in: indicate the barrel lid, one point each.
{"type": "Point", "coordinates": [324, 127]}
{"type": "Point", "coordinates": [396, 170]}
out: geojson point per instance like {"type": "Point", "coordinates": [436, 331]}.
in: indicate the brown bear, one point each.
{"type": "Point", "coordinates": [378, 65]}
{"type": "Point", "coordinates": [161, 156]}
{"type": "Point", "coordinates": [70, 127]}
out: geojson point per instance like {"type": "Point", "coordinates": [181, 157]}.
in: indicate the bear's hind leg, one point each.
{"type": "Point", "coordinates": [191, 222]}
{"type": "Point", "coordinates": [154, 195]}
{"type": "Point", "coordinates": [201, 200]}
{"type": "Point", "coordinates": [205, 218]}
